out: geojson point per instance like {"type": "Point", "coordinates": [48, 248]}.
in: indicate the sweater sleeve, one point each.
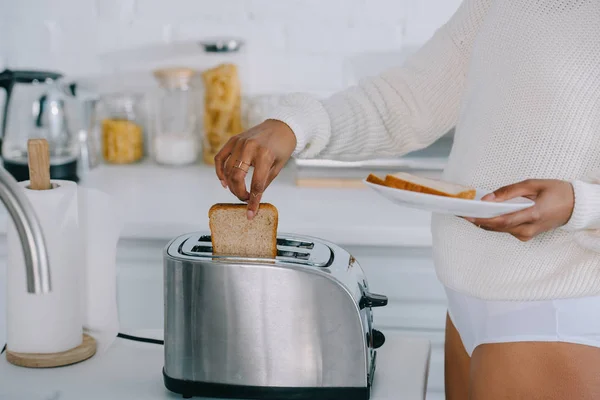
{"type": "Point", "coordinates": [585, 219]}
{"type": "Point", "coordinates": [403, 109]}
{"type": "Point", "coordinates": [586, 213]}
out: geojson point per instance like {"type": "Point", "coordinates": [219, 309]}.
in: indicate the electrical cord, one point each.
{"type": "Point", "coordinates": [140, 339]}
{"type": "Point", "coordinates": [126, 337]}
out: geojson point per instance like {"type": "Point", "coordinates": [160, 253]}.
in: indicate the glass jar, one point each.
{"type": "Point", "coordinates": [223, 79]}
{"type": "Point", "coordinates": [176, 140]}
{"type": "Point", "coordinates": [122, 129]}
{"type": "Point", "coordinates": [222, 108]}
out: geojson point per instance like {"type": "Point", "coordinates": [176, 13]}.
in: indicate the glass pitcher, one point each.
{"type": "Point", "coordinates": [36, 107]}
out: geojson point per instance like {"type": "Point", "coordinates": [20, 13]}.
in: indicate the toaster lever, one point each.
{"type": "Point", "coordinates": [372, 300]}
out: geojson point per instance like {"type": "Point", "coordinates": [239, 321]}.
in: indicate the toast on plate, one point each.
{"type": "Point", "coordinates": [413, 183]}
{"type": "Point", "coordinates": [375, 179]}
{"type": "Point", "coordinates": [233, 234]}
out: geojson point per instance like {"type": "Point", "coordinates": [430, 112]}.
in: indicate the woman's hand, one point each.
{"type": "Point", "coordinates": [266, 147]}
{"type": "Point", "coordinates": [554, 202]}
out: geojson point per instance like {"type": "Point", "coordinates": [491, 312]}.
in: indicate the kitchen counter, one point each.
{"type": "Point", "coordinates": [162, 203]}
{"type": "Point", "coordinates": [392, 244]}
{"type": "Point", "coordinates": [133, 371]}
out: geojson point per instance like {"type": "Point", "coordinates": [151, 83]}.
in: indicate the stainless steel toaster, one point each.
{"type": "Point", "coordinates": [299, 326]}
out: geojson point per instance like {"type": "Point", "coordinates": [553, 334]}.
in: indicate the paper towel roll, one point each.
{"type": "Point", "coordinates": [52, 322]}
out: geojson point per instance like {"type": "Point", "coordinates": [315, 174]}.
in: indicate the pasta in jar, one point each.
{"type": "Point", "coordinates": [222, 108]}
{"type": "Point", "coordinates": [122, 141]}
{"type": "Point", "coordinates": [122, 134]}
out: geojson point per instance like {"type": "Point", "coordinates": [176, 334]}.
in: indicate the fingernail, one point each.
{"type": "Point", "coordinates": [250, 214]}
{"type": "Point", "coordinates": [471, 220]}
{"type": "Point", "coordinates": [224, 184]}
{"type": "Point", "coordinates": [489, 197]}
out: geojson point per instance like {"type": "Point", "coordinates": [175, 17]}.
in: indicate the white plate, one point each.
{"type": "Point", "coordinates": [447, 205]}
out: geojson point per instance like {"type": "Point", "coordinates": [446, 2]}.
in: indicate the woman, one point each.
{"type": "Point", "coordinates": [520, 82]}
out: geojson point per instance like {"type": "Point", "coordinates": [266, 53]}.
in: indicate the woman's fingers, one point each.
{"type": "Point", "coordinates": [237, 167]}
{"type": "Point", "coordinates": [526, 232]}
{"type": "Point", "coordinates": [263, 161]}
{"type": "Point", "coordinates": [526, 188]}
{"type": "Point", "coordinates": [257, 191]}
{"type": "Point", "coordinates": [506, 223]}
{"type": "Point", "coordinates": [266, 147]}
{"type": "Point", "coordinates": [275, 170]}
{"type": "Point", "coordinates": [247, 153]}
{"type": "Point", "coordinates": [222, 157]}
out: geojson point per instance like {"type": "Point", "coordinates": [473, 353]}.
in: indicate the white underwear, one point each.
{"type": "Point", "coordinates": [565, 320]}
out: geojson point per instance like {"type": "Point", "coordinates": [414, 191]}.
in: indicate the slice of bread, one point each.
{"type": "Point", "coordinates": [233, 234]}
{"type": "Point", "coordinates": [406, 181]}
{"type": "Point", "coordinates": [372, 178]}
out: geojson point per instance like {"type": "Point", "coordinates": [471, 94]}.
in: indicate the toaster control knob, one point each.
{"type": "Point", "coordinates": [378, 339]}
{"type": "Point", "coordinates": [372, 300]}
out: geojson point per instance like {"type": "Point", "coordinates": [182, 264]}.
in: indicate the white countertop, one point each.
{"type": "Point", "coordinates": [162, 203]}
{"type": "Point", "coordinates": [133, 371]}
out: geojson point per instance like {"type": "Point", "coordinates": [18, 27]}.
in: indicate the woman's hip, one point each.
{"type": "Point", "coordinates": [571, 320]}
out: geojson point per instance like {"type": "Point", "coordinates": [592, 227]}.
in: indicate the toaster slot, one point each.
{"type": "Point", "coordinates": [295, 243]}
{"type": "Point", "coordinates": [293, 254]}
{"type": "Point", "coordinates": [202, 249]}
{"type": "Point", "coordinates": [290, 250]}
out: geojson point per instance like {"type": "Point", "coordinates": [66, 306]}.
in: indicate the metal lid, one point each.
{"type": "Point", "coordinates": [221, 45]}
{"type": "Point", "coordinates": [290, 250]}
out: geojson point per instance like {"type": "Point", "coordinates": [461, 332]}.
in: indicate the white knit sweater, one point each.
{"type": "Point", "coordinates": [520, 82]}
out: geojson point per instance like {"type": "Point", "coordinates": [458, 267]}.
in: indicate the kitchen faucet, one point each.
{"type": "Point", "coordinates": [30, 232]}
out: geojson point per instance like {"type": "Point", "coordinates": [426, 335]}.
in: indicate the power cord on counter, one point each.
{"type": "Point", "coordinates": [140, 339]}
{"type": "Point", "coordinates": [126, 337]}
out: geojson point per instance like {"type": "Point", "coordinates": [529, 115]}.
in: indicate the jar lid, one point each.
{"type": "Point", "coordinates": [122, 98]}
{"type": "Point", "coordinates": [222, 44]}
{"type": "Point", "coordinates": [175, 76]}
{"type": "Point", "coordinates": [121, 102]}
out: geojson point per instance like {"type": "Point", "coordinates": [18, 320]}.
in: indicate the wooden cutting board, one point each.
{"type": "Point", "coordinates": [331, 183]}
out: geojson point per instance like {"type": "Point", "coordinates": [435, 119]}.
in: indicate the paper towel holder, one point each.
{"type": "Point", "coordinates": [39, 172]}
{"type": "Point", "coordinates": [38, 154]}
{"type": "Point", "coordinates": [30, 233]}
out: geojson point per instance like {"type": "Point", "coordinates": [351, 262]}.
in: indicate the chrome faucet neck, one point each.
{"type": "Point", "coordinates": [35, 252]}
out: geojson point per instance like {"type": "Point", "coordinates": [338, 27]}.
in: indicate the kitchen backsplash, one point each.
{"type": "Point", "coordinates": [290, 44]}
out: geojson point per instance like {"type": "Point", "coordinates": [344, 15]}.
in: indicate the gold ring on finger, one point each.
{"type": "Point", "coordinates": [240, 167]}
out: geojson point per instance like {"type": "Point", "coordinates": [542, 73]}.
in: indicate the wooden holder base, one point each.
{"type": "Point", "coordinates": [36, 360]}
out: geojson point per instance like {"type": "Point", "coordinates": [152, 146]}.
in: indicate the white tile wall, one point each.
{"type": "Point", "coordinates": [291, 44]}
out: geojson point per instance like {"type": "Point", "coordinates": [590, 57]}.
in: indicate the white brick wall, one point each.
{"type": "Point", "coordinates": [291, 44]}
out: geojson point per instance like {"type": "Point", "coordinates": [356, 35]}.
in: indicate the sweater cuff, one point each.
{"type": "Point", "coordinates": [589, 240]}
{"type": "Point", "coordinates": [309, 121]}
{"type": "Point", "coordinates": [586, 212]}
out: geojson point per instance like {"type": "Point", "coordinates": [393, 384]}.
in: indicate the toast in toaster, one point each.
{"type": "Point", "coordinates": [234, 235]}
{"type": "Point", "coordinates": [406, 181]}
